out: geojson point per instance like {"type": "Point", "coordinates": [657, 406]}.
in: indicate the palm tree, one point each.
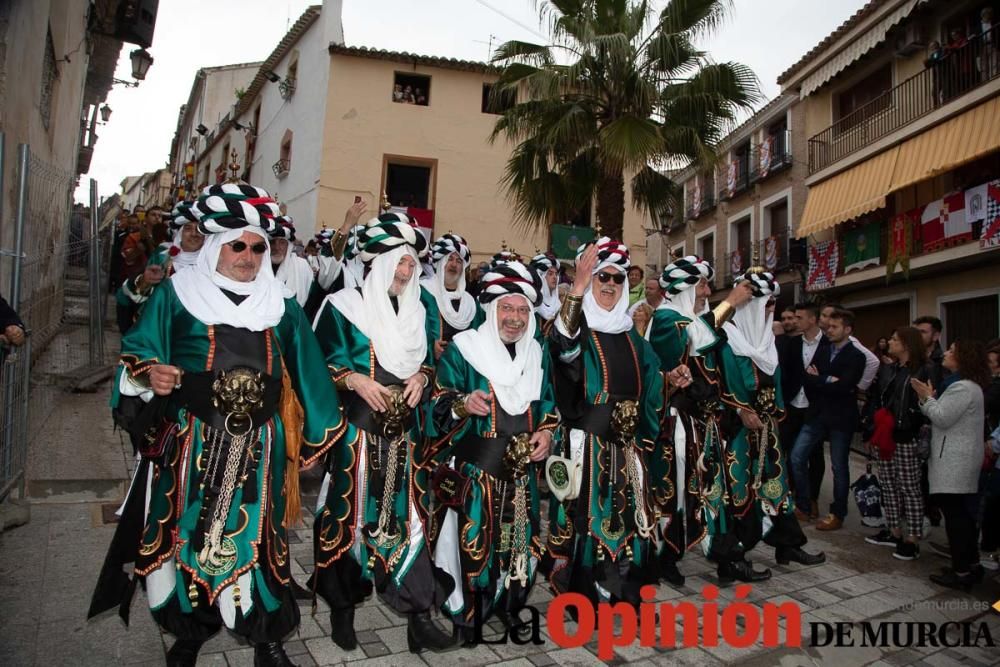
{"type": "Point", "coordinates": [618, 89]}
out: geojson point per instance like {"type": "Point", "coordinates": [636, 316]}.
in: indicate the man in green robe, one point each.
{"type": "Point", "coordinates": [227, 366]}
{"type": "Point", "coordinates": [370, 529]}
{"type": "Point", "coordinates": [700, 483]}
{"type": "Point", "coordinates": [492, 419]}
{"type": "Point", "coordinates": [609, 390]}
{"type": "Point", "coordinates": [451, 309]}
{"type": "Point", "coordinates": [751, 373]}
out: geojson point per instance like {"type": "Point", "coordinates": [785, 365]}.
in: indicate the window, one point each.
{"type": "Point", "coordinates": [287, 85]}
{"type": "Point", "coordinates": [408, 185]}
{"type": "Point", "coordinates": [497, 103]}
{"type": "Point", "coordinates": [975, 318]}
{"type": "Point", "coordinates": [739, 245]}
{"type": "Point", "coordinates": [860, 95]}
{"type": "Point", "coordinates": [706, 247]}
{"type": "Point", "coordinates": [411, 89]}
{"type": "Point", "coordinates": [49, 75]}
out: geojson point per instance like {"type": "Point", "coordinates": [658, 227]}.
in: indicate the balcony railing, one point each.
{"type": "Point", "coordinates": [706, 205]}
{"type": "Point", "coordinates": [772, 254]}
{"type": "Point", "coordinates": [281, 167]}
{"type": "Point", "coordinates": [772, 157]}
{"type": "Point", "coordinates": [740, 183]}
{"type": "Point", "coordinates": [959, 71]}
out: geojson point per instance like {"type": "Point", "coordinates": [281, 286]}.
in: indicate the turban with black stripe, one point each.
{"type": "Point", "coordinates": [448, 244]}
{"type": "Point", "coordinates": [609, 253]}
{"type": "Point", "coordinates": [684, 273]}
{"type": "Point", "coordinates": [503, 257]}
{"type": "Point", "coordinates": [233, 206]}
{"type": "Point", "coordinates": [511, 278]}
{"type": "Point", "coordinates": [387, 231]}
{"type": "Point", "coordinates": [351, 249]}
{"type": "Point", "coordinates": [181, 215]}
{"type": "Point", "coordinates": [283, 229]}
{"type": "Point", "coordinates": [543, 262]}
{"type": "Point", "coordinates": [762, 283]}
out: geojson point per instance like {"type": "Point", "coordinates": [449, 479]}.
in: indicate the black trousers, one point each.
{"type": "Point", "coordinates": [959, 510]}
{"type": "Point", "coordinates": [788, 431]}
{"type": "Point", "coordinates": [990, 537]}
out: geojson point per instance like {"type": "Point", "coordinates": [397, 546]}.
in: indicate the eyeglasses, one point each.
{"type": "Point", "coordinates": [510, 310]}
{"type": "Point", "coordinates": [604, 277]}
{"type": "Point", "coordinates": [240, 246]}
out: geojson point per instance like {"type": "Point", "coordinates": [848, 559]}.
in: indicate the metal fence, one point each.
{"type": "Point", "coordinates": [58, 287]}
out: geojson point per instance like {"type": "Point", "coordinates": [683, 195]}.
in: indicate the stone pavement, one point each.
{"type": "Point", "coordinates": [48, 568]}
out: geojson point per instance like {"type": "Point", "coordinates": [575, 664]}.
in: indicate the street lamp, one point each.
{"type": "Point", "coordinates": [141, 60]}
{"type": "Point", "coordinates": [105, 113]}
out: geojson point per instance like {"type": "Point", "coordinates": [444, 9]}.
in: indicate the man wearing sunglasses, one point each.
{"type": "Point", "coordinates": [609, 392]}
{"type": "Point", "coordinates": [695, 488]}
{"type": "Point", "coordinates": [370, 526]}
{"type": "Point", "coordinates": [234, 398]}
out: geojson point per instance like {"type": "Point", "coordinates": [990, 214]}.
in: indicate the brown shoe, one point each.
{"type": "Point", "coordinates": [801, 516]}
{"type": "Point", "coordinates": [831, 522]}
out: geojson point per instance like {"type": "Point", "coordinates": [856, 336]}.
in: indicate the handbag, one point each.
{"type": "Point", "coordinates": [868, 497]}
{"type": "Point", "coordinates": [564, 477]}
{"type": "Point", "coordinates": [449, 486]}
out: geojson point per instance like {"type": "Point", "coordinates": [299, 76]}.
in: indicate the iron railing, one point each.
{"type": "Point", "coordinates": [777, 157]}
{"type": "Point", "coordinates": [956, 73]}
{"type": "Point", "coordinates": [742, 181]}
{"type": "Point", "coordinates": [281, 167]}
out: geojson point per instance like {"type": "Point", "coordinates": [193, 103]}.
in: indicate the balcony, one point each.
{"type": "Point", "coordinates": [960, 71]}
{"type": "Point", "coordinates": [706, 205]}
{"type": "Point", "coordinates": [738, 181]}
{"type": "Point", "coordinates": [771, 254]}
{"type": "Point", "coordinates": [771, 158]}
{"type": "Point", "coordinates": [281, 168]}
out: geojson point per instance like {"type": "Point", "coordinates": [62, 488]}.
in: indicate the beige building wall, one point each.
{"type": "Point", "coordinates": [364, 130]}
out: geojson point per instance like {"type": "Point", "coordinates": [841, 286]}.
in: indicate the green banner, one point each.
{"type": "Point", "coordinates": [862, 247]}
{"type": "Point", "coordinates": [567, 238]}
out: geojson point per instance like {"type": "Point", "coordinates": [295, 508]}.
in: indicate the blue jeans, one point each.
{"type": "Point", "coordinates": [811, 436]}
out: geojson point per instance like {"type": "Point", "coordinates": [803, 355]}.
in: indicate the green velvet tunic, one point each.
{"type": "Point", "coordinates": [167, 333]}
{"type": "Point", "coordinates": [479, 529]}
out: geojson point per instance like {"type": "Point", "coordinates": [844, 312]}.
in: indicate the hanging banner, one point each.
{"type": "Point", "coordinates": [975, 203]}
{"type": "Point", "coordinates": [901, 242]}
{"type": "Point", "coordinates": [566, 239]}
{"type": "Point", "coordinates": [731, 179]}
{"type": "Point", "coordinates": [696, 198]}
{"type": "Point", "coordinates": [861, 247]}
{"type": "Point", "coordinates": [765, 156]}
{"type": "Point", "coordinates": [990, 238]}
{"type": "Point", "coordinates": [823, 259]}
{"type": "Point", "coordinates": [736, 263]}
{"type": "Point", "coordinates": [771, 253]}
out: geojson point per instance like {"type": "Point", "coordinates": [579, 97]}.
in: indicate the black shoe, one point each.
{"type": "Point", "coordinates": [672, 575]}
{"type": "Point", "coordinates": [962, 582]}
{"type": "Point", "coordinates": [730, 571]}
{"type": "Point", "coordinates": [422, 632]}
{"type": "Point", "coordinates": [342, 628]}
{"type": "Point", "coordinates": [270, 654]}
{"type": "Point", "coordinates": [786, 555]}
{"type": "Point", "coordinates": [906, 551]}
{"type": "Point", "coordinates": [464, 636]}
{"type": "Point", "coordinates": [184, 653]}
{"type": "Point", "coordinates": [884, 539]}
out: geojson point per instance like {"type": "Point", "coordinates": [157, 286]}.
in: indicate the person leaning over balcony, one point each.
{"type": "Point", "coordinates": [957, 419]}
{"type": "Point", "coordinates": [897, 422]}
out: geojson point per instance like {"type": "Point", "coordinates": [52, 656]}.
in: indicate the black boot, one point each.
{"type": "Point", "coordinates": [342, 628]}
{"type": "Point", "coordinates": [950, 579]}
{"type": "Point", "coordinates": [270, 654]}
{"type": "Point", "coordinates": [184, 653]}
{"type": "Point", "coordinates": [671, 574]}
{"type": "Point", "coordinates": [730, 571]}
{"type": "Point", "coordinates": [786, 555]}
{"type": "Point", "coordinates": [463, 635]}
{"type": "Point", "coordinates": [422, 632]}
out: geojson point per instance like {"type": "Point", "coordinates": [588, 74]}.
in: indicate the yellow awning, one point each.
{"type": "Point", "coordinates": [962, 139]}
{"type": "Point", "coordinates": [848, 194]}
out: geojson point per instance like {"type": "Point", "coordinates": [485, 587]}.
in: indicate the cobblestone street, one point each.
{"type": "Point", "coordinates": [48, 568]}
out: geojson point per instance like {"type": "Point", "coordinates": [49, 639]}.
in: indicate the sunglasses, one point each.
{"type": "Point", "coordinates": [240, 246]}
{"type": "Point", "coordinates": [604, 277]}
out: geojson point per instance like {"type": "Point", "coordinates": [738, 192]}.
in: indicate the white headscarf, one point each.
{"type": "Point", "coordinates": [295, 273]}
{"type": "Point", "coordinates": [461, 318]}
{"type": "Point", "coordinates": [516, 383]}
{"type": "Point", "coordinates": [550, 305]}
{"type": "Point", "coordinates": [181, 259]}
{"type": "Point", "coordinates": [750, 334]}
{"type": "Point", "coordinates": [700, 335]}
{"type": "Point", "coordinates": [614, 321]}
{"type": "Point", "coordinates": [400, 339]}
{"type": "Point", "coordinates": [200, 288]}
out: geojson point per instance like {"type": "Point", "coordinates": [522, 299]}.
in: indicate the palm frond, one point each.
{"type": "Point", "coordinates": [629, 142]}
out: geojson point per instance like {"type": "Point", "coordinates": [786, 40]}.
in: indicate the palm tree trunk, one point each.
{"type": "Point", "coordinates": [611, 204]}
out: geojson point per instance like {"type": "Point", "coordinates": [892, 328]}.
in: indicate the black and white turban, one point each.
{"type": "Point", "coordinates": [542, 263]}
{"type": "Point", "coordinates": [684, 273]}
{"type": "Point", "coordinates": [762, 283]}
{"type": "Point", "coordinates": [351, 249]}
{"type": "Point", "coordinates": [181, 215]}
{"type": "Point", "coordinates": [504, 257]}
{"type": "Point", "coordinates": [448, 244]}
{"type": "Point", "coordinates": [388, 231]}
{"type": "Point", "coordinates": [508, 278]}
{"type": "Point", "coordinates": [323, 239]}
{"type": "Point", "coordinates": [284, 228]}
{"type": "Point", "coordinates": [229, 206]}
{"type": "Point", "coordinates": [609, 253]}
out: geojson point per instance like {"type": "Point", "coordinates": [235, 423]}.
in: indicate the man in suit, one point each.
{"type": "Point", "coordinates": [831, 387]}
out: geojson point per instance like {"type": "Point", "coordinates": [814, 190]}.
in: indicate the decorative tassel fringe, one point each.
{"type": "Point", "coordinates": [292, 417]}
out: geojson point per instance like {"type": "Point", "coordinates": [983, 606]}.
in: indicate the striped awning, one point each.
{"type": "Point", "coordinates": [848, 194]}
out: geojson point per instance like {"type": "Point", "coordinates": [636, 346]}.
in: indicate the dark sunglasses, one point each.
{"type": "Point", "coordinates": [240, 246]}
{"type": "Point", "coordinates": [604, 277]}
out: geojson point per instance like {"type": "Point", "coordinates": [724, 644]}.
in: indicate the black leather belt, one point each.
{"type": "Point", "coordinates": [485, 453]}
{"type": "Point", "coordinates": [360, 414]}
{"type": "Point", "coordinates": [195, 394]}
